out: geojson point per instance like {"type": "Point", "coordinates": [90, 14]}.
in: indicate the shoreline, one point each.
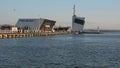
{"type": "Point", "coordinates": [37, 34]}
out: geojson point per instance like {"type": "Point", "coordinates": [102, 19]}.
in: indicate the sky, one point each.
{"type": "Point", "coordinates": [102, 13]}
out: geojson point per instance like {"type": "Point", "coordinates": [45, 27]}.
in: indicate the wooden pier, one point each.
{"type": "Point", "coordinates": [36, 34]}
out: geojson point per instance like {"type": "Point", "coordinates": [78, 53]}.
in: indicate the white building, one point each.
{"type": "Point", "coordinates": [35, 24]}
{"type": "Point", "coordinates": [77, 23]}
{"type": "Point", "coordinates": [14, 29]}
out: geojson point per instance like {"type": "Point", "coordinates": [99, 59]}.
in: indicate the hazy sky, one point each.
{"type": "Point", "coordinates": [103, 13]}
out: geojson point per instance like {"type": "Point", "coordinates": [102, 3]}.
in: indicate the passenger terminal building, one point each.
{"type": "Point", "coordinates": [43, 25]}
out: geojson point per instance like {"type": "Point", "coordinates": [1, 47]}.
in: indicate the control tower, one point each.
{"type": "Point", "coordinates": [77, 22]}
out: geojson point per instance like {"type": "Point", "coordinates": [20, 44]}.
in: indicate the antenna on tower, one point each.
{"type": "Point", "coordinates": [74, 9]}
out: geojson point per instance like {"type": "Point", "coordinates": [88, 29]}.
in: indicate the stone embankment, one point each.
{"type": "Point", "coordinates": [36, 34]}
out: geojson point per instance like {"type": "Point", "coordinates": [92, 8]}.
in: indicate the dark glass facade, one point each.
{"type": "Point", "coordinates": [26, 20]}
{"type": "Point", "coordinates": [78, 21]}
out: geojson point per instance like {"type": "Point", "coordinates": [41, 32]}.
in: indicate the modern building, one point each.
{"type": "Point", "coordinates": [41, 24]}
{"type": "Point", "coordinates": [77, 22]}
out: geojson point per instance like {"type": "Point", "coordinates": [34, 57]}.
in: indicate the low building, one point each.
{"type": "Point", "coordinates": [8, 29]}
{"type": "Point", "coordinates": [14, 29]}
{"type": "Point", "coordinates": [58, 29]}
{"type": "Point", "coordinates": [5, 27]}
{"type": "Point", "coordinates": [43, 25]}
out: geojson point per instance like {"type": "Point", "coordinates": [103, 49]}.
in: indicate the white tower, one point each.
{"type": "Point", "coordinates": [77, 22]}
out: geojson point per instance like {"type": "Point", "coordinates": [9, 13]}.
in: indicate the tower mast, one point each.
{"type": "Point", "coordinates": [74, 9]}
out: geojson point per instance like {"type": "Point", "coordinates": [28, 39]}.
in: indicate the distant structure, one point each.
{"type": "Point", "coordinates": [43, 25]}
{"type": "Point", "coordinates": [58, 29]}
{"type": "Point", "coordinates": [5, 27]}
{"type": "Point", "coordinates": [98, 29]}
{"type": "Point", "coordinates": [77, 22]}
{"type": "Point", "coordinates": [8, 29]}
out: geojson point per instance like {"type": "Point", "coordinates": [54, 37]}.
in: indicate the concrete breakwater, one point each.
{"type": "Point", "coordinates": [36, 34]}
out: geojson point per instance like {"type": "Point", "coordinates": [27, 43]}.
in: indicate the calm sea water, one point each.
{"type": "Point", "coordinates": [62, 51]}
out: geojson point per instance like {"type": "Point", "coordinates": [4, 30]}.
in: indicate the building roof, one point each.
{"type": "Point", "coordinates": [34, 24]}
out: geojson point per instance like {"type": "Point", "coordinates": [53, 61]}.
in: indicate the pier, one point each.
{"type": "Point", "coordinates": [35, 34]}
{"type": "Point", "coordinates": [5, 34]}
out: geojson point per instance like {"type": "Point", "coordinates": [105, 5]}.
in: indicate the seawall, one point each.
{"type": "Point", "coordinates": [36, 34]}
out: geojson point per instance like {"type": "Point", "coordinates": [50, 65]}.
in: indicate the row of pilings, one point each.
{"type": "Point", "coordinates": [36, 34]}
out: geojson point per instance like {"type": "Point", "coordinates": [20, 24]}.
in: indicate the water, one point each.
{"type": "Point", "coordinates": [62, 51]}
